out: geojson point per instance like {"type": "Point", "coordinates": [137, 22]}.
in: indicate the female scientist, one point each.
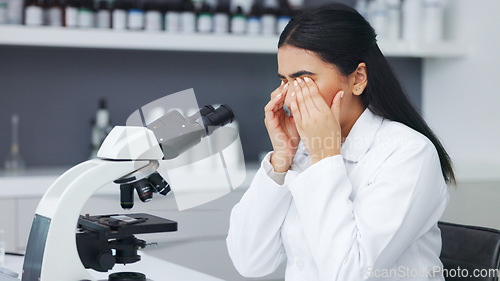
{"type": "Point", "coordinates": [356, 181]}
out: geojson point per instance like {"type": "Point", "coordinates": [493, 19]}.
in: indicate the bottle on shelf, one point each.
{"type": "Point", "coordinates": [86, 14]}
{"type": "Point", "coordinates": [269, 17]}
{"type": "Point", "coordinates": [14, 161]}
{"type": "Point", "coordinates": [101, 126]}
{"type": "Point", "coordinates": [187, 17]}
{"type": "Point", "coordinates": [362, 8]}
{"type": "Point", "coordinates": [153, 16]}
{"type": "Point", "coordinates": [54, 13]}
{"type": "Point", "coordinates": [433, 20]}
{"type": "Point", "coordinates": [119, 15]}
{"type": "Point", "coordinates": [378, 17]}
{"type": "Point", "coordinates": [221, 18]}
{"type": "Point", "coordinates": [254, 22]}
{"type": "Point", "coordinates": [205, 18]}
{"type": "Point", "coordinates": [238, 21]}
{"type": "Point", "coordinates": [15, 11]}
{"type": "Point", "coordinates": [136, 16]}
{"type": "Point", "coordinates": [284, 16]}
{"type": "Point", "coordinates": [33, 13]}
{"type": "Point", "coordinates": [394, 19]}
{"type": "Point", "coordinates": [3, 12]}
{"type": "Point", "coordinates": [296, 5]}
{"type": "Point", "coordinates": [172, 19]}
{"type": "Point", "coordinates": [411, 20]}
{"type": "Point", "coordinates": [71, 13]}
{"type": "Point", "coordinates": [103, 15]}
{"type": "Point", "coordinates": [246, 5]}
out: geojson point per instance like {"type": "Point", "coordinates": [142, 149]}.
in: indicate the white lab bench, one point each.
{"type": "Point", "coordinates": [198, 244]}
{"type": "Point", "coordinates": [154, 269]}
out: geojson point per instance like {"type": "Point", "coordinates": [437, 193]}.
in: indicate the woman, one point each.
{"type": "Point", "coordinates": [356, 181]}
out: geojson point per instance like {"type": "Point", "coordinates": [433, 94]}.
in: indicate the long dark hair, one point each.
{"type": "Point", "coordinates": [339, 35]}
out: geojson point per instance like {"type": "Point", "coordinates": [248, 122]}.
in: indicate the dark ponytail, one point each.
{"type": "Point", "coordinates": [339, 35]}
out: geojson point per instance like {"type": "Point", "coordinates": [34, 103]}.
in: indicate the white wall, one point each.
{"type": "Point", "coordinates": [461, 102]}
{"type": "Point", "coordinates": [461, 97]}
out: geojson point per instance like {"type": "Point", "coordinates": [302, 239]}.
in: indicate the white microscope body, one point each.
{"type": "Point", "coordinates": [52, 253]}
{"type": "Point", "coordinates": [128, 155]}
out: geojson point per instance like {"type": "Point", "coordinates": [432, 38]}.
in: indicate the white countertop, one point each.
{"type": "Point", "coordinates": [154, 268]}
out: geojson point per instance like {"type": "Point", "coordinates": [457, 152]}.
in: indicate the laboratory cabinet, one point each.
{"type": "Point", "coordinates": [8, 222]}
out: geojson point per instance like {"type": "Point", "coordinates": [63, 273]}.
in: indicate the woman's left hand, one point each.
{"type": "Point", "coordinates": [317, 123]}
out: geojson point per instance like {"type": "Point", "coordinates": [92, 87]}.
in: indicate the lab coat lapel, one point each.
{"type": "Point", "coordinates": [355, 146]}
{"type": "Point", "coordinates": [361, 136]}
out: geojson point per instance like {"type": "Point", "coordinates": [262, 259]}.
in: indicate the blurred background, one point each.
{"type": "Point", "coordinates": [71, 70]}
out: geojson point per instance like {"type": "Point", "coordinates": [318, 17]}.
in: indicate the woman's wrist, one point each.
{"type": "Point", "coordinates": [280, 162]}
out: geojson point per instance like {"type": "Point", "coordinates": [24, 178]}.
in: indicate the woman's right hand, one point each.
{"type": "Point", "coordinates": [281, 129]}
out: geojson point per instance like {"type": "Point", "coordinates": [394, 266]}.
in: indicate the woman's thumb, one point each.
{"type": "Point", "coordinates": [337, 102]}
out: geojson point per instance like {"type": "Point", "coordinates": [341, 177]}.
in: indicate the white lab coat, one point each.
{"type": "Point", "coordinates": [370, 212]}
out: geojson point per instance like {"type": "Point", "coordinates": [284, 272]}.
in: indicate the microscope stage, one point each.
{"type": "Point", "coordinates": [115, 226]}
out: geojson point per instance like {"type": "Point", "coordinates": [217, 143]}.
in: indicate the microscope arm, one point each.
{"type": "Point", "coordinates": [57, 216]}
{"type": "Point", "coordinates": [51, 254]}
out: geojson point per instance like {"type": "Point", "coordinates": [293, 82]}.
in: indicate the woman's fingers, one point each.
{"type": "Point", "coordinates": [294, 108]}
{"type": "Point", "coordinates": [300, 99]}
{"type": "Point", "coordinates": [277, 97]}
{"type": "Point", "coordinates": [307, 95]}
{"type": "Point", "coordinates": [336, 105]}
{"type": "Point", "coordinates": [315, 95]}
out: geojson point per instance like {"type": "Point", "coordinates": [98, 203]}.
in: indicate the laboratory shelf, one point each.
{"type": "Point", "coordinates": [195, 42]}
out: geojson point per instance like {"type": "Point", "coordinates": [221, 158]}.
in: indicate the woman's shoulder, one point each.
{"type": "Point", "coordinates": [395, 135]}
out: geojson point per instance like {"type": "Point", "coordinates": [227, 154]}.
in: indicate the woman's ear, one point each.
{"type": "Point", "coordinates": [360, 78]}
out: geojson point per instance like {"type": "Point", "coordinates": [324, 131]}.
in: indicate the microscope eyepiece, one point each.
{"type": "Point", "coordinates": [207, 109]}
{"type": "Point", "coordinates": [218, 118]}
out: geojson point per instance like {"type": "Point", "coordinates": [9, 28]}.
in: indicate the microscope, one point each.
{"type": "Point", "coordinates": [129, 157]}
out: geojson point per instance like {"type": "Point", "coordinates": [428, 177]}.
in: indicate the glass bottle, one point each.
{"type": "Point", "coordinates": [394, 19]}
{"type": "Point", "coordinates": [269, 17]}
{"type": "Point", "coordinates": [103, 15]}
{"type": "Point", "coordinates": [15, 11]}
{"type": "Point", "coordinates": [172, 19]}
{"type": "Point", "coordinates": [54, 13]}
{"type": "Point", "coordinates": [86, 14]}
{"type": "Point", "coordinates": [15, 161]}
{"type": "Point", "coordinates": [3, 12]}
{"type": "Point", "coordinates": [238, 22]}
{"type": "Point", "coordinates": [71, 13]}
{"type": "Point", "coordinates": [188, 17]}
{"type": "Point", "coordinates": [284, 16]}
{"type": "Point", "coordinates": [221, 18]}
{"type": "Point", "coordinates": [119, 15]}
{"type": "Point", "coordinates": [254, 22]}
{"type": "Point", "coordinates": [153, 16]}
{"type": "Point", "coordinates": [136, 16]}
{"type": "Point", "coordinates": [205, 18]}
{"type": "Point", "coordinates": [33, 13]}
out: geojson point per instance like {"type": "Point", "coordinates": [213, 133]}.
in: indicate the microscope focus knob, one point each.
{"type": "Point", "coordinates": [106, 261]}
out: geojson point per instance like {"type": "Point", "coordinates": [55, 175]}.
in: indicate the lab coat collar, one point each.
{"type": "Point", "coordinates": [361, 136]}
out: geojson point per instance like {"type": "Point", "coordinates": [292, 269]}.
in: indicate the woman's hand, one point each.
{"type": "Point", "coordinates": [317, 124]}
{"type": "Point", "coordinates": [281, 129]}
